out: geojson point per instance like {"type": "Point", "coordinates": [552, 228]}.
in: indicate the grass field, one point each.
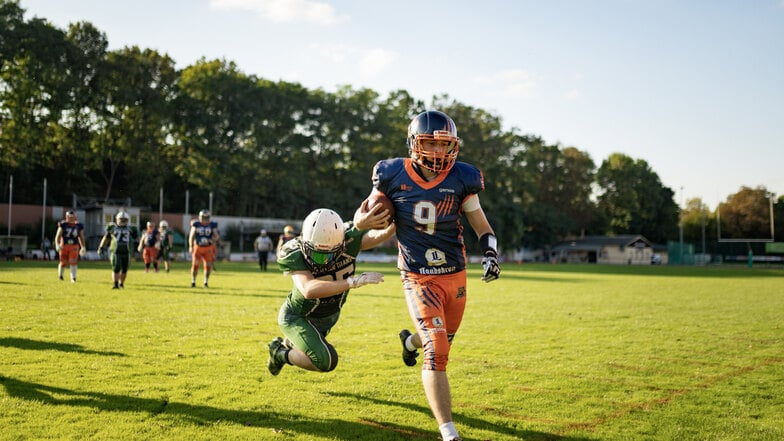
{"type": "Point", "coordinates": [555, 352]}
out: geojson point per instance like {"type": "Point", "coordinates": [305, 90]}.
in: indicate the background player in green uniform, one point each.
{"type": "Point", "coordinates": [321, 263]}
{"type": "Point", "coordinates": [167, 242]}
{"type": "Point", "coordinates": [119, 238]}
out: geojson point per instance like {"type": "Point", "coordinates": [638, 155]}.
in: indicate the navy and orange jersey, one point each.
{"type": "Point", "coordinates": [204, 232]}
{"type": "Point", "coordinates": [71, 232]}
{"type": "Point", "coordinates": [427, 213]}
{"type": "Point", "coordinates": [151, 237]}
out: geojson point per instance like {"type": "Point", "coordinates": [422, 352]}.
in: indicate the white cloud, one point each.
{"type": "Point", "coordinates": [572, 95]}
{"type": "Point", "coordinates": [286, 11]}
{"type": "Point", "coordinates": [366, 62]}
{"type": "Point", "coordinates": [510, 83]}
{"type": "Point", "coordinates": [374, 61]}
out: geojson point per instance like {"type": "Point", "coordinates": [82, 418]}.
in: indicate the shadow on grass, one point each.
{"type": "Point", "coordinates": [37, 345]}
{"type": "Point", "coordinates": [476, 423]}
{"type": "Point", "coordinates": [285, 425]}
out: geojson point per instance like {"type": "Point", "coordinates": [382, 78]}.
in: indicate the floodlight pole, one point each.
{"type": "Point", "coordinates": [160, 206]}
{"type": "Point", "coordinates": [10, 204]}
{"type": "Point", "coordinates": [772, 228]}
{"type": "Point", "coordinates": [681, 225]}
{"type": "Point", "coordinates": [43, 217]}
{"type": "Point", "coordinates": [702, 212]}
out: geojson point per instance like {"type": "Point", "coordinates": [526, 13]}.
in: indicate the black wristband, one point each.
{"type": "Point", "coordinates": [488, 244]}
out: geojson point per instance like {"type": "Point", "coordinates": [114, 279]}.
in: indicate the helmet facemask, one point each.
{"type": "Point", "coordinates": [323, 238]}
{"type": "Point", "coordinates": [321, 256]}
{"type": "Point", "coordinates": [432, 141]}
{"type": "Point", "coordinates": [436, 160]}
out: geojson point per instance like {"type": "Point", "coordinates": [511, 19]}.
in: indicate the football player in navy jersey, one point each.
{"type": "Point", "coordinates": [430, 191]}
{"type": "Point", "coordinates": [202, 241]}
{"type": "Point", "coordinates": [69, 243]}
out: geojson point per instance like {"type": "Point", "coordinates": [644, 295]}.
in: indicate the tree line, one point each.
{"type": "Point", "coordinates": [126, 123]}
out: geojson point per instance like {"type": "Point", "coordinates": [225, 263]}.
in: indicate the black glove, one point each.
{"type": "Point", "coordinates": [100, 252]}
{"type": "Point", "coordinates": [492, 270]}
{"type": "Point", "coordinates": [490, 260]}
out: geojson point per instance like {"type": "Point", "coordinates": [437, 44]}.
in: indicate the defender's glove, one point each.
{"type": "Point", "coordinates": [490, 261]}
{"type": "Point", "coordinates": [100, 252]}
{"type": "Point", "coordinates": [364, 279]}
{"type": "Point", "coordinates": [82, 252]}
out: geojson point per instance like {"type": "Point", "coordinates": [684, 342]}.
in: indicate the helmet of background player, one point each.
{"type": "Point", "coordinates": [122, 219]}
{"type": "Point", "coordinates": [70, 216]}
{"type": "Point", "coordinates": [204, 216]}
{"type": "Point", "coordinates": [163, 225]}
{"type": "Point", "coordinates": [323, 238]}
{"type": "Point", "coordinates": [263, 232]}
{"type": "Point", "coordinates": [288, 230]}
{"type": "Point", "coordinates": [150, 226]}
{"type": "Point", "coordinates": [437, 126]}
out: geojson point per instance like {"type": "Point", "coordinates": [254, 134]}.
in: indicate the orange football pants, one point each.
{"type": "Point", "coordinates": [149, 254]}
{"type": "Point", "coordinates": [69, 254]}
{"type": "Point", "coordinates": [436, 305]}
{"type": "Point", "coordinates": [205, 253]}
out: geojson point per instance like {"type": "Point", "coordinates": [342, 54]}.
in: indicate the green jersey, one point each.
{"type": "Point", "coordinates": [122, 238]}
{"type": "Point", "coordinates": [290, 259]}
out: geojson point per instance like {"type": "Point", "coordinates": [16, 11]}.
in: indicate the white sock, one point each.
{"type": "Point", "coordinates": [448, 431]}
{"type": "Point", "coordinates": [60, 270]}
{"type": "Point", "coordinates": [73, 273]}
{"type": "Point", "coordinates": [410, 344]}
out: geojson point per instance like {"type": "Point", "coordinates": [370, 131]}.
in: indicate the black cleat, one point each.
{"type": "Point", "coordinates": [409, 357]}
{"type": "Point", "coordinates": [273, 364]}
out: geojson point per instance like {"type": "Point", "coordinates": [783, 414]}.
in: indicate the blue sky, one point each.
{"type": "Point", "coordinates": [695, 88]}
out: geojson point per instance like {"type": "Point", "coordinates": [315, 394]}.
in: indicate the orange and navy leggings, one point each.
{"type": "Point", "coordinates": [436, 305]}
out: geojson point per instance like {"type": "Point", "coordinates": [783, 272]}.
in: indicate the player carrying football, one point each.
{"type": "Point", "coordinates": [430, 191]}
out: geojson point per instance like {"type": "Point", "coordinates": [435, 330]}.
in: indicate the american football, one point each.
{"type": "Point", "coordinates": [376, 198]}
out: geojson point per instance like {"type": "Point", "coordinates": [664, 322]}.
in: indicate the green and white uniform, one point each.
{"type": "Point", "coordinates": [307, 322]}
{"type": "Point", "coordinates": [120, 247]}
{"type": "Point", "coordinates": [166, 247]}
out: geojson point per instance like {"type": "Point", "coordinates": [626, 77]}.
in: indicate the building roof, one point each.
{"type": "Point", "coordinates": [593, 243]}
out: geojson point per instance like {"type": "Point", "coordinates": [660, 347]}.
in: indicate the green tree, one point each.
{"type": "Point", "coordinates": [699, 224]}
{"type": "Point", "coordinates": [634, 200]}
{"type": "Point", "coordinates": [130, 145]}
{"type": "Point", "coordinates": [746, 214]}
{"type": "Point", "coordinates": [35, 84]}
